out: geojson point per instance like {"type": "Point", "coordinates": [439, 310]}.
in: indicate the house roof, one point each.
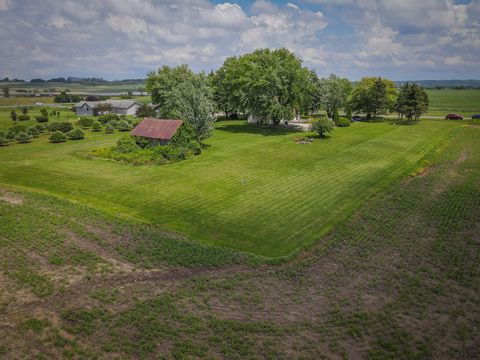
{"type": "Point", "coordinates": [120, 104]}
{"type": "Point", "coordinates": [162, 129]}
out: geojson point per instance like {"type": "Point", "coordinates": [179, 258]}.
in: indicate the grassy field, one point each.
{"type": "Point", "coordinates": [465, 102]}
{"type": "Point", "coordinates": [398, 280]}
{"type": "Point", "coordinates": [76, 88]}
{"type": "Point", "coordinates": [252, 190]}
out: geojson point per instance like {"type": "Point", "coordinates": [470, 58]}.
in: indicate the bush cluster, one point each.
{"type": "Point", "coordinates": [85, 122]}
{"type": "Point", "coordinates": [33, 131]}
{"type": "Point", "coordinates": [138, 150]}
{"type": "Point", "coordinates": [57, 137]}
{"type": "Point", "coordinates": [96, 126]}
{"type": "Point", "coordinates": [76, 134]}
{"type": "Point", "coordinates": [3, 140]}
{"type": "Point", "coordinates": [342, 122]}
{"type": "Point", "coordinates": [42, 119]}
{"type": "Point", "coordinates": [109, 129]}
{"type": "Point", "coordinates": [23, 117]}
{"type": "Point", "coordinates": [23, 137]}
{"type": "Point", "coordinates": [64, 126]}
{"type": "Point", "coordinates": [108, 118]}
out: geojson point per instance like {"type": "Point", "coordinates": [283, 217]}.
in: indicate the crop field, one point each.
{"type": "Point", "coordinates": [252, 190]}
{"type": "Point", "coordinates": [77, 88]}
{"type": "Point", "coordinates": [398, 278]}
{"type": "Point", "coordinates": [465, 102]}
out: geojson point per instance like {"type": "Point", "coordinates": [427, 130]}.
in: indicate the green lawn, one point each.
{"type": "Point", "coordinates": [253, 190]}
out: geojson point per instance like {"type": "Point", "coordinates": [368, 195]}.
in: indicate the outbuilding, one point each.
{"type": "Point", "coordinates": [120, 107]}
{"type": "Point", "coordinates": [157, 131]}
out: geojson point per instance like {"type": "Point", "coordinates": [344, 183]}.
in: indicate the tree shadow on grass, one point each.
{"type": "Point", "coordinates": [264, 130]}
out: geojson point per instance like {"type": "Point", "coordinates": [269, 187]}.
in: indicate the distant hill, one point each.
{"type": "Point", "coordinates": [76, 80]}
{"type": "Point", "coordinates": [441, 84]}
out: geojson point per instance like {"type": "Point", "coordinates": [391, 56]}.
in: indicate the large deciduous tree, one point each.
{"type": "Point", "coordinates": [333, 93]}
{"type": "Point", "coordinates": [271, 85]}
{"type": "Point", "coordinates": [412, 101]}
{"type": "Point", "coordinates": [373, 95]}
{"type": "Point", "coordinates": [183, 94]}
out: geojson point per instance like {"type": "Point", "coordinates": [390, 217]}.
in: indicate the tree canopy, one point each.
{"type": "Point", "coordinates": [412, 101]}
{"type": "Point", "coordinates": [333, 93]}
{"type": "Point", "coordinates": [185, 95]}
{"type": "Point", "coordinates": [269, 84]}
{"type": "Point", "coordinates": [372, 95]}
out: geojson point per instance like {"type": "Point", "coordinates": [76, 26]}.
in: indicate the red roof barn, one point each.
{"type": "Point", "coordinates": [160, 131]}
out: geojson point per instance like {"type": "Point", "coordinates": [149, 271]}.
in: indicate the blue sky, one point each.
{"type": "Point", "coordinates": [116, 39]}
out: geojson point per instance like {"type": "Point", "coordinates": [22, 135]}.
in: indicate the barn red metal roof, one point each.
{"type": "Point", "coordinates": [162, 129]}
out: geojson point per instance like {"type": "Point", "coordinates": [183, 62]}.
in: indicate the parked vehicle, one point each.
{"type": "Point", "coordinates": [454, 117]}
{"type": "Point", "coordinates": [476, 116]}
{"type": "Point", "coordinates": [356, 118]}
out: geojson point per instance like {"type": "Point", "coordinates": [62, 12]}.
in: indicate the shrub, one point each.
{"type": "Point", "coordinates": [42, 119]}
{"type": "Point", "coordinates": [33, 131]}
{"type": "Point", "coordinates": [127, 144]}
{"type": "Point", "coordinates": [10, 135]}
{"type": "Point", "coordinates": [348, 115]}
{"type": "Point", "coordinates": [343, 122]}
{"type": "Point", "coordinates": [335, 117]}
{"type": "Point", "coordinates": [23, 117]}
{"type": "Point", "coordinates": [57, 137]}
{"type": "Point", "coordinates": [60, 126]}
{"type": "Point", "coordinates": [85, 122]}
{"type": "Point", "coordinates": [41, 127]}
{"type": "Point", "coordinates": [3, 141]}
{"type": "Point", "coordinates": [23, 138]}
{"type": "Point", "coordinates": [15, 129]}
{"type": "Point", "coordinates": [44, 112]}
{"type": "Point", "coordinates": [76, 134]}
{"type": "Point", "coordinates": [109, 129]}
{"type": "Point", "coordinates": [96, 126]}
{"type": "Point", "coordinates": [108, 118]}
{"type": "Point", "coordinates": [123, 125]}
{"type": "Point", "coordinates": [322, 126]}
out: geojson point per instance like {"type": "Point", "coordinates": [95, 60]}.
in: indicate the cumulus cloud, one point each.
{"type": "Point", "coordinates": [127, 38]}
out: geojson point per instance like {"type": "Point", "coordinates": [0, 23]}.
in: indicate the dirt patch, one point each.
{"type": "Point", "coordinates": [424, 172]}
{"type": "Point", "coordinates": [463, 156]}
{"type": "Point", "coordinates": [11, 197]}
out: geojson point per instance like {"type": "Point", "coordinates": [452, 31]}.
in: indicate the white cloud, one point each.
{"type": "Point", "coordinates": [121, 38]}
{"type": "Point", "coordinates": [453, 60]}
{"type": "Point", "coordinates": [4, 5]}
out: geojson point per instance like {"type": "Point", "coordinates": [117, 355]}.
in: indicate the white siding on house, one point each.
{"type": "Point", "coordinates": [120, 107]}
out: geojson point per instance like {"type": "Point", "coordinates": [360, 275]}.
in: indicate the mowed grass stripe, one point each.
{"type": "Point", "coordinates": [251, 189]}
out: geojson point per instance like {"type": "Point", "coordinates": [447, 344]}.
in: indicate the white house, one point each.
{"type": "Point", "coordinates": [120, 107]}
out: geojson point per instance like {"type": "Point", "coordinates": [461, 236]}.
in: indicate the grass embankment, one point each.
{"type": "Point", "coordinates": [400, 279]}
{"type": "Point", "coordinates": [252, 189]}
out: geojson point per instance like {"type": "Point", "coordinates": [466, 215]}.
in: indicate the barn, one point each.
{"type": "Point", "coordinates": [157, 131]}
{"type": "Point", "coordinates": [120, 107]}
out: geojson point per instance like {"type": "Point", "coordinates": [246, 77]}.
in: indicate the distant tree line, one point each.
{"type": "Point", "coordinates": [271, 86]}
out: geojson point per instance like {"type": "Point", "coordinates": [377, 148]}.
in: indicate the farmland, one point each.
{"type": "Point", "coordinates": [465, 102]}
{"type": "Point", "coordinates": [351, 246]}
{"type": "Point", "coordinates": [81, 283]}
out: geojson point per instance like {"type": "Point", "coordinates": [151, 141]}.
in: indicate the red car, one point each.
{"type": "Point", "coordinates": [454, 117]}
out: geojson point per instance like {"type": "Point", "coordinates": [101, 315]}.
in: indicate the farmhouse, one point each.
{"type": "Point", "coordinates": [120, 107]}
{"type": "Point", "coordinates": [157, 131]}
